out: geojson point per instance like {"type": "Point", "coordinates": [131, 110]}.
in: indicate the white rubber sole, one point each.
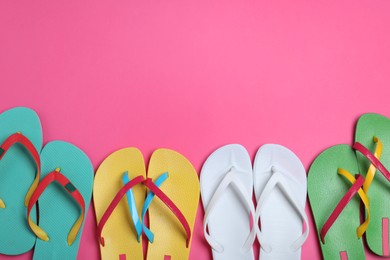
{"type": "Point", "coordinates": [281, 224]}
{"type": "Point", "coordinates": [229, 221]}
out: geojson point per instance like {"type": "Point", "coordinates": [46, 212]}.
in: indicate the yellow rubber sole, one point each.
{"type": "Point", "coordinates": [119, 233]}
{"type": "Point", "coordinates": [182, 187]}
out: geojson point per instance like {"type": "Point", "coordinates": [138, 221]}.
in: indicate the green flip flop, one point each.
{"type": "Point", "coordinates": [372, 132]}
{"type": "Point", "coordinates": [21, 142]}
{"type": "Point", "coordinates": [335, 204]}
{"type": "Point", "coordinates": [63, 196]}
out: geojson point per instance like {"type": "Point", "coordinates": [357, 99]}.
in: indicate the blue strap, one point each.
{"type": "Point", "coordinates": [132, 207]}
{"type": "Point", "coordinates": [147, 202]}
{"type": "Point", "coordinates": [138, 223]}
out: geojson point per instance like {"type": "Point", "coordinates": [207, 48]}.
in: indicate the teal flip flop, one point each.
{"type": "Point", "coordinates": [21, 142]}
{"type": "Point", "coordinates": [63, 196]}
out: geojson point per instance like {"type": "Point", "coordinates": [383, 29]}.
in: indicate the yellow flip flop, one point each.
{"type": "Point", "coordinates": [118, 239]}
{"type": "Point", "coordinates": [172, 214]}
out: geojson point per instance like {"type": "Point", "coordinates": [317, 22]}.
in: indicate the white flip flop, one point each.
{"type": "Point", "coordinates": [280, 189]}
{"type": "Point", "coordinates": [226, 184]}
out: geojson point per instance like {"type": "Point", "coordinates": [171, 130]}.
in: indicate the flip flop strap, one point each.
{"type": "Point", "coordinates": [21, 139]}
{"type": "Point", "coordinates": [169, 203]}
{"type": "Point", "coordinates": [230, 179]}
{"type": "Point", "coordinates": [374, 159]}
{"type": "Point", "coordinates": [148, 201]}
{"type": "Point", "coordinates": [372, 170]}
{"type": "Point", "coordinates": [114, 203]}
{"type": "Point", "coordinates": [132, 207]}
{"type": "Point", "coordinates": [74, 193]}
{"type": "Point", "coordinates": [356, 186]}
{"type": "Point", "coordinates": [277, 179]}
{"type": "Point", "coordinates": [139, 223]}
{"type": "Point", "coordinates": [362, 194]}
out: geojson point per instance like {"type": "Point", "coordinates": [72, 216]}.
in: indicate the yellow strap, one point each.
{"type": "Point", "coordinates": [30, 191]}
{"type": "Point", "coordinates": [371, 170]}
{"type": "Point", "coordinates": [32, 188]}
{"type": "Point", "coordinates": [75, 229]}
{"type": "Point", "coordinates": [363, 227]}
{"type": "Point", "coordinates": [40, 233]}
{"type": "Point", "coordinates": [37, 230]}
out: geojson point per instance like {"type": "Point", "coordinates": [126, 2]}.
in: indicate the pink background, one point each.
{"type": "Point", "coordinates": [195, 75]}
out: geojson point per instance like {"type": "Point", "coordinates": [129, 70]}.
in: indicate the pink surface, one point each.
{"type": "Point", "coordinates": [195, 75]}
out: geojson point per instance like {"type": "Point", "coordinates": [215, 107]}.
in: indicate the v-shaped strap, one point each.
{"type": "Point", "coordinates": [139, 223]}
{"type": "Point", "coordinates": [230, 179]}
{"type": "Point", "coordinates": [71, 189]}
{"type": "Point", "coordinates": [21, 139]}
{"type": "Point", "coordinates": [154, 190]}
{"type": "Point", "coordinates": [278, 179]}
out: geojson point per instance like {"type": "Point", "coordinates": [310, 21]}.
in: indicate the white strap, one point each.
{"type": "Point", "coordinates": [230, 178]}
{"type": "Point", "coordinates": [278, 178]}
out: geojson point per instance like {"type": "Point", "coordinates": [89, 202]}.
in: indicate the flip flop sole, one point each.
{"type": "Point", "coordinates": [377, 234]}
{"type": "Point", "coordinates": [57, 210]}
{"type": "Point", "coordinates": [182, 187]}
{"type": "Point", "coordinates": [17, 173]}
{"type": "Point", "coordinates": [281, 224]}
{"type": "Point", "coordinates": [325, 189]}
{"type": "Point", "coordinates": [229, 222]}
{"type": "Point", "coordinates": [119, 233]}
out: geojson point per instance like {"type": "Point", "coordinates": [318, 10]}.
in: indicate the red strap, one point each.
{"type": "Point", "coordinates": [61, 179]}
{"type": "Point", "coordinates": [21, 139]}
{"type": "Point", "coordinates": [114, 203]}
{"type": "Point", "coordinates": [341, 205]}
{"type": "Point", "coordinates": [164, 198]}
{"type": "Point", "coordinates": [363, 150]}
